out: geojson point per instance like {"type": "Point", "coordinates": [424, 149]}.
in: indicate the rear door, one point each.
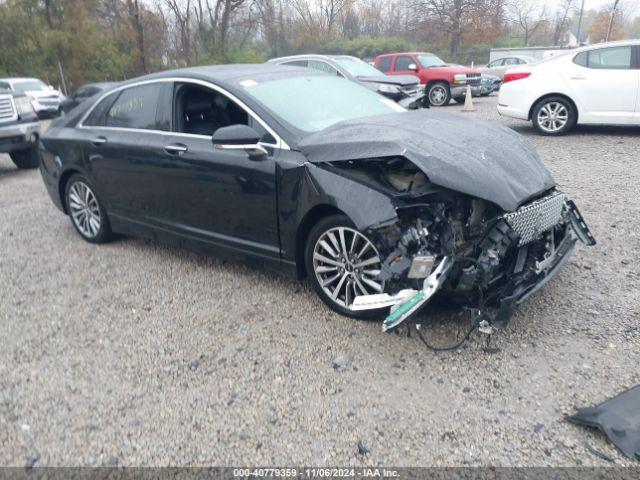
{"type": "Point", "coordinates": [605, 83]}
{"type": "Point", "coordinates": [124, 137]}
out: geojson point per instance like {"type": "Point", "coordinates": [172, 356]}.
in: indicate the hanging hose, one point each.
{"type": "Point", "coordinates": [445, 349]}
{"type": "Point", "coordinates": [475, 323]}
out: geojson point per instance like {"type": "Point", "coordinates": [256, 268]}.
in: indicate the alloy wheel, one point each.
{"type": "Point", "coordinates": [553, 117]}
{"type": "Point", "coordinates": [346, 263]}
{"type": "Point", "coordinates": [84, 209]}
{"type": "Point", "coordinates": [437, 95]}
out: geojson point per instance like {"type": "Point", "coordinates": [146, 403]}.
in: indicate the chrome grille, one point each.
{"type": "Point", "coordinates": [7, 110]}
{"type": "Point", "coordinates": [535, 218]}
{"type": "Point", "coordinates": [473, 78]}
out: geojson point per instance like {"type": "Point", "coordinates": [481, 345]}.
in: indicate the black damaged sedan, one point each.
{"type": "Point", "coordinates": [320, 177]}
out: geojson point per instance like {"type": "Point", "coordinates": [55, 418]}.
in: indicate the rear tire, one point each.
{"type": "Point", "coordinates": [26, 159]}
{"type": "Point", "coordinates": [86, 212]}
{"type": "Point", "coordinates": [554, 116]}
{"type": "Point", "coordinates": [439, 94]}
{"type": "Point", "coordinates": [349, 278]}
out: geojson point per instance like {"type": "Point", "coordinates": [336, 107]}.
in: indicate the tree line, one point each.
{"type": "Point", "coordinates": [94, 40]}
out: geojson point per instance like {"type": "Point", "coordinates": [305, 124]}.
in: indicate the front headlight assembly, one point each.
{"type": "Point", "coordinates": [23, 105]}
{"type": "Point", "coordinates": [388, 89]}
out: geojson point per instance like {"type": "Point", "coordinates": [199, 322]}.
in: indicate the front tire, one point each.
{"type": "Point", "coordinates": [26, 159]}
{"type": "Point", "coordinates": [86, 211]}
{"type": "Point", "coordinates": [342, 263]}
{"type": "Point", "coordinates": [554, 116]}
{"type": "Point", "coordinates": [439, 94]}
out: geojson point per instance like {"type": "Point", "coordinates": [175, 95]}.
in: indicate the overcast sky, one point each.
{"type": "Point", "coordinates": [588, 4]}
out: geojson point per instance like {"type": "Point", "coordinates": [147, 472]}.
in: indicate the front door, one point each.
{"type": "Point", "coordinates": [605, 82]}
{"type": "Point", "coordinates": [221, 196]}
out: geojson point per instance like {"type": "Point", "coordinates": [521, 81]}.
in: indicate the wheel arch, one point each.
{"type": "Point", "coordinates": [313, 216]}
{"type": "Point", "coordinates": [62, 185]}
{"type": "Point", "coordinates": [550, 95]}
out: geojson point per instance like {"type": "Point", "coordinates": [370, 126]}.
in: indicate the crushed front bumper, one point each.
{"type": "Point", "coordinates": [522, 282]}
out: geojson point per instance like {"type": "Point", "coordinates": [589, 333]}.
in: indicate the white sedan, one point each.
{"type": "Point", "coordinates": [595, 85]}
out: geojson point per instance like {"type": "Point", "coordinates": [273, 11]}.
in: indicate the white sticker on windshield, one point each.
{"type": "Point", "coordinates": [248, 83]}
{"type": "Point", "coordinates": [392, 104]}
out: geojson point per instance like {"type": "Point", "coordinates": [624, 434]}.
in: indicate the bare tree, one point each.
{"type": "Point", "coordinates": [319, 17]}
{"type": "Point", "coordinates": [560, 23]}
{"type": "Point", "coordinates": [528, 17]}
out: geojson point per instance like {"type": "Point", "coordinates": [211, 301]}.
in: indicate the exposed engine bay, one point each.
{"type": "Point", "coordinates": [466, 248]}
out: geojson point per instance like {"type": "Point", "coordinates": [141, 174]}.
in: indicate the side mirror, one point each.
{"type": "Point", "coordinates": [238, 137]}
{"type": "Point", "coordinates": [413, 67]}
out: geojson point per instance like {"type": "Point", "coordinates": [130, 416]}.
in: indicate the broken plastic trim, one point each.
{"type": "Point", "coordinates": [406, 302]}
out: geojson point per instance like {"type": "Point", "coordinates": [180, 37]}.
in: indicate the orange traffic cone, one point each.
{"type": "Point", "coordinates": [468, 101]}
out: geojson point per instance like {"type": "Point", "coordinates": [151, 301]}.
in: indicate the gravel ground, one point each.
{"type": "Point", "coordinates": [133, 353]}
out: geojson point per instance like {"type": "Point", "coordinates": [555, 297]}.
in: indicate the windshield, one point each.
{"type": "Point", "coordinates": [27, 85]}
{"type": "Point", "coordinates": [313, 103]}
{"type": "Point", "coordinates": [358, 68]}
{"type": "Point", "coordinates": [430, 60]}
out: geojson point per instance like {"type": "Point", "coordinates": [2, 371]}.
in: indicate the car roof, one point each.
{"type": "Point", "coordinates": [617, 43]}
{"type": "Point", "coordinates": [304, 56]}
{"type": "Point", "coordinates": [231, 74]}
{"type": "Point", "coordinates": [19, 79]}
{"type": "Point", "coordinates": [406, 53]}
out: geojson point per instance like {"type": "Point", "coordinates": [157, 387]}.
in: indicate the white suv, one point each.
{"type": "Point", "coordinates": [595, 85]}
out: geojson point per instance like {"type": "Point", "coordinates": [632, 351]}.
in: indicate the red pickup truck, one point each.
{"type": "Point", "coordinates": [442, 81]}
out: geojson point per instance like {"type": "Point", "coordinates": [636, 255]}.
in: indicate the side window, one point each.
{"type": "Point", "coordinates": [615, 58]}
{"type": "Point", "coordinates": [581, 59]}
{"type": "Point", "coordinates": [201, 111]}
{"type": "Point", "coordinates": [5, 86]}
{"type": "Point", "coordinates": [296, 63]}
{"type": "Point", "coordinates": [80, 93]}
{"type": "Point", "coordinates": [384, 65]}
{"type": "Point", "coordinates": [98, 115]}
{"type": "Point", "coordinates": [322, 66]}
{"type": "Point", "coordinates": [402, 63]}
{"type": "Point", "coordinates": [136, 107]}
{"type": "Point", "coordinates": [511, 61]}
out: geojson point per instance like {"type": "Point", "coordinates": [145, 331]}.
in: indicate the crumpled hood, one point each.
{"type": "Point", "coordinates": [478, 158]}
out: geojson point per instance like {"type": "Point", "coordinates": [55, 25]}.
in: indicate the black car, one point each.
{"type": "Point", "coordinates": [404, 89]}
{"type": "Point", "coordinates": [316, 175]}
{"type": "Point", "coordinates": [83, 93]}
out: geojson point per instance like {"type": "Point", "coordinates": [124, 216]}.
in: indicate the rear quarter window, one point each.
{"type": "Point", "coordinates": [98, 115]}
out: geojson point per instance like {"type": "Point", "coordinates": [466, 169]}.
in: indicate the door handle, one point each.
{"type": "Point", "coordinates": [578, 77]}
{"type": "Point", "coordinates": [99, 141]}
{"type": "Point", "coordinates": [177, 149]}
